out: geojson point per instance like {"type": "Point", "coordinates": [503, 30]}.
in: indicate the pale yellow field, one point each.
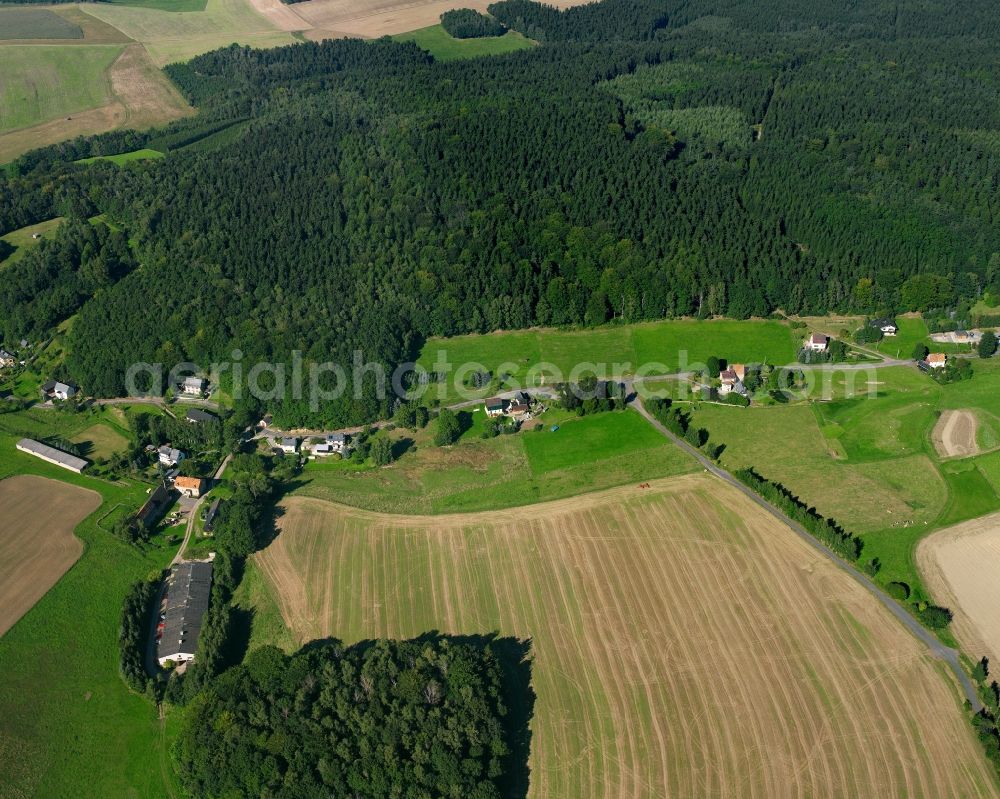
{"type": "Point", "coordinates": [961, 568]}
{"type": "Point", "coordinates": [374, 18]}
{"type": "Point", "coordinates": [178, 36]}
{"type": "Point", "coordinates": [684, 642]}
{"type": "Point", "coordinates": [954, 434]}
{"type": "Point", "coordinates": [37, 545]}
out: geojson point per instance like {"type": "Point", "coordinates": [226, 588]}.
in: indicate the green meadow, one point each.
{"type": "Point", "coordinates": [40, 82]}
{"type": "Point", "coordinates": [444, 47]}
{"type": "Point", "coordinates": [23, 238]}
{"type": "Point", "coordinates": [585, 454]}
{"type": "Point", "coordinates": [68, 724]}
{"type": "Point", "coordinates": [657, 347]}
{"type": "Point", "coordinates": [123, 158]}
{"type": "Point", "coordinates": [867, 459]}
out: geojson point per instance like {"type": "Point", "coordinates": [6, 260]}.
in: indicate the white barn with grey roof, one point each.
{"type": "Point", "coordinates": [52, 455]}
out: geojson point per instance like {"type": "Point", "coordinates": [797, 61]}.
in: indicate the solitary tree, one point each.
{"type": "Point", "coordinates": [987, 344]}
{"type": "Point", "coordinates": [448, 428]}
{"type": "Point", "coordinates": [382, 451]}
{"type": "Point", "coordinates": [920, 351]}
{"type": "Point", "coordinates": [712, 366]}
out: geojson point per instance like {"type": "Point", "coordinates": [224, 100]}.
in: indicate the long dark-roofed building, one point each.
{"type": "Point", "coordinates": [188, 589]}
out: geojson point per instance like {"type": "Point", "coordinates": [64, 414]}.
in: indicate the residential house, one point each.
{"type": "Point", "coordinates": [519, 409]}
{"type": "Point", "coordinates": [333, 443]}
{"type": "Point", "coordinates": [887, 326]}
{"type": "Point", "coordinates": [194, 386]}
{"type": "Point", "coordinates": [263, 423]}
{"type": "Point", "coordinates": [740, 370]}
{"type": "Point", "coordinates": [289, 445]}
{"type": "Point", "coordinates": [495, 406]}
{"type": "Point", "coordinates": [152, 510]}
{"type": "Point", "coordinates": [6, 359]}
{"type": "Point", "coordinates": [198, 416]}
{"type": "Point", "coordinates": [729, 382]}
{"type": "Point", "coordinates": [192, 487]}
{"type": "Point", "coordinates": [817, 342]}
{"type": "Point", "coordinates": [189, 588]}
{"type": "Point", "coordinates": [55, 390]}
{"type": "Point", "coordinates": [937, 360]}
{"type": "Point", "coordinates": [169, 456]}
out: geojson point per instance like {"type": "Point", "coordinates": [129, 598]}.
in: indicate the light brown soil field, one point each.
{"type": "Point", "coordinates": [144, 97]}
{"type": "Point", "coordinates": [37, 545]}
{"type": "Point", "coordinates": [954, 435]}
{"type": "Point", "coordinates": [374, 18]}
{"type": "Point", "coordinates": [961, 568]}
{"type": "Point", "coordinates": [685, 643]}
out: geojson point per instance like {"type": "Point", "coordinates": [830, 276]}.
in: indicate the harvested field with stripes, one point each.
{"type": "Point", "coordinates": [37, 545]}
{"type": "Point", "coordinates": [684, 642]}
{"type": "Point", "coordinates": [960, 566]}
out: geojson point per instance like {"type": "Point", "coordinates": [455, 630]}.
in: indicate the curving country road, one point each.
{"type": "Point", "coordinates": [939, 650]}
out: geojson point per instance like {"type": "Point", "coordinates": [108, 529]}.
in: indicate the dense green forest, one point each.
{"type": "Point", "coordinates": [379, 719]}
{"type": "Point", "coordinates": [650, 159]}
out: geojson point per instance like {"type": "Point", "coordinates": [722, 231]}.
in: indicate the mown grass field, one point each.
{"type": "Point", "coordinates": [23, 241]}
{"type": "Point", "coordinates": [445, 47]}
{"type": "Point", "coordinates": [68, 724]}
{"type": "Point", "coordinates": [100, 441]}
{"type": "Point", "coordinates": [684, 643]}
{"type": "Point", "coordinates": [868, 461]}
{"type": "Point", "coordinates": [36, 23]}
{"type": "Point", "coordinates": [585, 454]}
{"type": "Point", "coordinates": [144, 154]}
{"type": "Point", "coordinates": [42, 82]}
{"type": "Point", "coordinates": [659, 347]}
{"type": "Point", "coordinates": [178, 35]}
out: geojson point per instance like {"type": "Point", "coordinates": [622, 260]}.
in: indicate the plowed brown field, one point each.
{"type": "Point", "coordinates": [685, 643]}
{"type": "Point", "coordinates": [37, 545]}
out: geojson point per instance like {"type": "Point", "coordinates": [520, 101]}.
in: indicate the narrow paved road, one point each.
{"type": "Point", "coordinates": [193, 515]}
{"type": "Point", "coordinates": [939, 650]}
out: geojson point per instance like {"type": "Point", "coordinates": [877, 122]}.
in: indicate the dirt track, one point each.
{"type": "Point", "coordinates": [954, 435]}
{"type": "Point", "coordinates": [961, 567]}
{"type": "Point", "coordinates": [37, 545]}
{"type": "Point", "coordinates": [685, 642]}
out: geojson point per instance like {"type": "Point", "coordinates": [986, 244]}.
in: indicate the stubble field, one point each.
{"type": "Point", "coordinates": [684, 642]}
{"type": "Point", "coordinates": [960, 566]}
{"type": "Point", "coordinates": [37, 545]}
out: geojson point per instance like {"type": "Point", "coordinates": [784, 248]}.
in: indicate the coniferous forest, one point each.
{"type": "Point", "coordinates": [648, 159]}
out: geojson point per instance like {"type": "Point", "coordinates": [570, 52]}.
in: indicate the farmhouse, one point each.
{"type": "Point", "coordinates": [169, 456]}
{"type": "Point", "coordinates": [186, 600]}
{"type": "Point", "coordinates": [194, 386]}
{"type": "Point", "coordinates": [190, 486]}
{"type": "Point", "coordinates": [740, 370]}
{"type": "Point", "coordinates": [817, 342]}
{"type": "Point", "coordinates": [53, 389]}
{"type": "Point", "coordinates": [52, 455]}
{"type": "Point", "coordinates": [730, 383]}
{"type": "Point", "coordinates": [495, 406]}
{"type": "Point", "coordinates": [937, 360]}
{"type": "Point", "coordinates": [289, 445]}
{"type": "Point", "coordinates": [887, 326]}
{"type": "Point", "coordinates": [198, 416]}
{"type": "Point", "coordinates": [151, 511]}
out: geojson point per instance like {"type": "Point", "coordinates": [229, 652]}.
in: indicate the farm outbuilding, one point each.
{"type": "Point", "coordinates": [188, 590]}
{"type": "Point", "coordinates": [52, 455]}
